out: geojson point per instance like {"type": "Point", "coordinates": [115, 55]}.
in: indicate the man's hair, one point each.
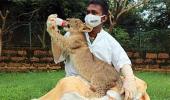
{"type": "Point", "coordinates": [102, 3]}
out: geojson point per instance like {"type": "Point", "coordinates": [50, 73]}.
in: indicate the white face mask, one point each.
{"type": "Point", "coordinates": [93, 20]}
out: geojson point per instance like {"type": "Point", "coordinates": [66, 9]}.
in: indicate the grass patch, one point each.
{"type": "Point", "coordinates": [158, 84]}
{"type": "Point", "coordinates": [24, 86]}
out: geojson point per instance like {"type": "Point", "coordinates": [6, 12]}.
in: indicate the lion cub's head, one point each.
{"type": "Point", "coordinates": [77, 26]}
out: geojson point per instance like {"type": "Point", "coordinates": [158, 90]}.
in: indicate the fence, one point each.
{"type": "Point", "coordinates": [27, 35]}
{"type": "Point", "coordinates": [34, 35]}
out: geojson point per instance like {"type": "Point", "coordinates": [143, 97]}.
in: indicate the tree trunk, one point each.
{"type": "Point", "coordinates": [44, 36]}
{"type": "Point", "coordinates": [0, 42]}
{"type": "Point", "coordinates": [111, 27]}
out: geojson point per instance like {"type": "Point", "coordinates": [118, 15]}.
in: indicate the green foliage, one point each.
{"type": "Point", "coordinates": [36, 12]}
{"type": "Point", "coordinates": [74, 8]}
{"type": "Point", "coordinates": [133, 31]}
{"type": "Point", "coordinates": [158, 14]}
{"type": "Point", "coordinates": [122, 36]}
{"type": "Point", "coordinates": [153, 40]}
{"type": "Point", "coordinates": [131, 21]}
{"type": "Point", "coordinates": [64, 8]}
{"type": "Point", "coordinates": [162, 38]}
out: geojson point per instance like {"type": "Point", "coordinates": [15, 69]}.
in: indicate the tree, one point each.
{"type": "Point", "coordinates": [37, 11]}
{"type": "Point", "coordinates": [158, 14]}
{"type": "Point", "coordinates": [3, 27]}
{"type": "Point", "coordinates": [120, 7]}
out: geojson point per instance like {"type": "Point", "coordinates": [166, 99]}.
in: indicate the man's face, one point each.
{"type": "Point", "coordinates": [94, 9]}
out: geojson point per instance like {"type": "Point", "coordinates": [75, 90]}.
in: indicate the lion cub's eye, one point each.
{"type": "Point", "coordinates": [68, 25]}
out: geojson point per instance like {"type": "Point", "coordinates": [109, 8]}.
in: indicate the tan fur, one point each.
{"type": "Point", "coordinates": [100, 74]}
{"type": "Point", "coordinates": [76, 84]}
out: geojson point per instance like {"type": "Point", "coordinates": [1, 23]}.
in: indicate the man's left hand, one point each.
{"type": "Point", "coordinates": [130, 89]}
{"type": "Point", "coordinates": [129, 83]}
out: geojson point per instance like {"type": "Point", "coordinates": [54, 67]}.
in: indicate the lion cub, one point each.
{"type": "Point", "coordinates": [100, 74]}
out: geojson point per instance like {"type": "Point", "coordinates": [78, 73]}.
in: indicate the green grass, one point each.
{"type": "Point", "coordinates": [24, 86]}
{"type": "Point", "coordinates": [158, 84]}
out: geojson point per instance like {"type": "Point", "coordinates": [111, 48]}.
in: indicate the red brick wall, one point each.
{"type": "Point", "coordinates": [27, 60]}
{"type": "Point", "coordinates": [150, 60]}
{"type": "Point", "coordinates": [33, 60]}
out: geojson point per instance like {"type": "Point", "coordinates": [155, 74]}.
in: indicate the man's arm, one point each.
{"type": "Point", "coordinates": [129, 82]}
{"type": "Point", "coordinates": [123, 64]}
{"type": "Point", "coordinates": [57, 53]}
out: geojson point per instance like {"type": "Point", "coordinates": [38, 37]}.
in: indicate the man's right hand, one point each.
{"type": "Point", "coordinates": [51, 24]}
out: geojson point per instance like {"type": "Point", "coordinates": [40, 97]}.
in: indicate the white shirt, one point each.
{"type": "Point", "coordinates": [104, 47]}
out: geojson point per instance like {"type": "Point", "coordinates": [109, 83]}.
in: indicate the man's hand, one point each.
{"type": "Point", "coordinates": [51, 24]}
{"type": "Point", "coordinates": [129, 83]}
{"type": "Point", "coordinates": [130, 89]}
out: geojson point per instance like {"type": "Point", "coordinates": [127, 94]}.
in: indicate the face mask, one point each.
{"type": "Point", "coordinates": [93, 20]}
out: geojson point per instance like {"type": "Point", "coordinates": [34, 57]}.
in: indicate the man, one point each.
{"type": "Point", "coordinates": [103, 46]}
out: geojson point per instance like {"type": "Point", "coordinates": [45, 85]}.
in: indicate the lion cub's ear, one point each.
{"type": "Point", "coordinates": [87, 28]}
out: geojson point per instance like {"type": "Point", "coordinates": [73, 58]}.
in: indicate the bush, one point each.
{"type": "Point", "coordinates": [122, 37]}
{"type": "Point", "coordinates": [153, 40]}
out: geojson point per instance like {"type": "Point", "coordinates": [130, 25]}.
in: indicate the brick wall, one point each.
{"type": "Point", "coordinates": [27, 60]}
{"type": "Point", "coordinates": [150, 61]}
{"type": "Point", "coordinates": [33, 60]}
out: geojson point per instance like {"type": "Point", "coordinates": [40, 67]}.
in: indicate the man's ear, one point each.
{"type": "Point", "coordinates": [104, 18]}
{"type": "Point", "coordinates": [87, 28]}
